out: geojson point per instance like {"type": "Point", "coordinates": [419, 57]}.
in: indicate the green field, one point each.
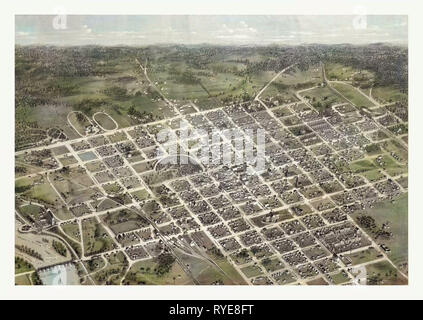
{"type": "Point", "coordinates": [252, 271]}
{"type": "Point", "coordinates": [79, 121]}
{"type": "Point", "coordinates": [95, 264]}
{"type": "Point", "coordinates": [336, 71]}
{"type": "Point", "coordinates": [141, 195]}
{"type": "Point", "coordinates": [362, 166]}
{"type": "Point", "coordinates": [396, 216]}
{"type": "Point", "coordinates": [145, 272]}
{"type": "Point", "coordinates": [104, 121]}
{"type": "Point", "coordinates": [373, 175]}
{"type": "Point", "coordinates": [231, 275]}
{"type": "Point", "coordinates": [123, 221]}
{"type": "Point", "coordinates": [61, 212]}
{"type": "Point", "coordinates": [388, 94]}
{"type": "Point", "coordinates": [340, 277]}
{"type": "Point", "coordinates": [23, 280]}
{"type": "Point", "coordinates": [350, 93]}
{"type": "Point", "coordinates": [287, 84]}
{"type": "Point", "coordinates": [76, 246]}
{"type": "Point", "coordinates": [22, 266]}
{"type": "Point", "coordinates": [31, 212]}
{"type": "Point", "coordinates": [391, 166]}
{"type": "Point", "coordinates": [318, 282]}
{"type": "Point", "coordinates": [363, 256]}
{"type": "Point", "coordinates": [38, 190]}
{"type": "Point", "coordinates": [383, 273]}
{"type": "Point", "coordinates": [95, 237]}
{"type": "Point", "coordinates": [114, 271]}
{"type": "Point", "coordinates": [72, 230]}
{"type": "Point", "coordinates": [272, 265]}
{"type": "Point", "coordinates": [322, 98]}
{"type": "Point", "coordinates": [67, 160]}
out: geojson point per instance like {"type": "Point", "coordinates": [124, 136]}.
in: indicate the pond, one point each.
{"type": "Point", "coordinates": [64, 274]}
{"type": "Point", "coordinates": [87, 156]}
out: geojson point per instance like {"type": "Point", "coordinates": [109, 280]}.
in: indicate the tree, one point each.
{"type": "Point", "coordinates": [80, 117]}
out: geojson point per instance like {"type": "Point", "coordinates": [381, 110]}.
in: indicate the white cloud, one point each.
{"type": "Point", "coordinates": [239, 31]}
{"type": "Point", "coordinates": [229, 29]}
{"type": "Point", "coordinates": [226, 29]}
{"type": "Point", "coordinates": [22, 34]}
{"type": "Point", "coordinates": [234, 36]}
{"type": "Point", "coordinates": [302, 33]}
{"type": "Point", "coordinates": [86, 29]}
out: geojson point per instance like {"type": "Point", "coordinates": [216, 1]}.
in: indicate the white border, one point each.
{"type": "Point", "coordinates": [287, 7]}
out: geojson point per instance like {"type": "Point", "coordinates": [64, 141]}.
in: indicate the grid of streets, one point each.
{"type": "Point", "coordinates": [296, 213]}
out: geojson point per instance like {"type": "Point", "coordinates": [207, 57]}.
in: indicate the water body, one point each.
{"type": "Point", "coordinates": [64, 274]}
{"type": "Point", "coordinates": [87, 156]}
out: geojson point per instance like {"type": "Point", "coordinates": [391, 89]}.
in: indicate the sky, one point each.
{"type": "Point", "coordinates": [196, 29]}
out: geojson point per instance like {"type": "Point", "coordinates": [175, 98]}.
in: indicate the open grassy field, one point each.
{"type": "Point", "coordinates": [352, 95]}
{"type": "Point", "coordinates": [336, 71]}
{"type": "Point", "coordinates": [388, 94]}
{"type": "Point", "coordinates": [26, 166]}
{"type": "Point", "coordinates": [72, 230]}
{"type": "Point", "coordinates": [318, 282]}
{"type": "Point", "coordinates": [74, 185]}
{"type": "Point", "coordinates": [61, 212]}
{"type": "Point", "coordinates": [395, 216]}
{"type": "Point", "coordinates": [322, 98]}
{"type": "Point", "coordinates": [23, 280]}
{"type": "Point", "coordinates": [141, 195]}
{"type": "Point", "coordinates": [284, 87]}
{"type": "Point", "coordinates": [22, 266]}
{"type": "Point", "coordinates": [178, 81]}
{"type": "Point", "coordinates": [144, 272]}
{"type": "Point", "coordinates": [38, 189]}
{"type": "Point", "coordinates": [208, 86]}
{"type": "Point", "coordinates": [31, 212]}
{"type": "Point", "coordinates": [390, 165]}
{"type": "Point", "coordinates": [373, 175]}
{"type": "Point", "coordinates": [359, 77]}
{"type": "Point", "coordinates": [252, 271]}
{"type": "Point", "coordinates": [272, 265]}
{"type": "Point", "coordinates": [67, 160]}
{"type": "Point", "coordinates": [340, 277]}
{"type": "Point", "coordinates": [363, 256]}
{"type": "Point", "coordinates": [207, 274]}
{"type": "Point", "coordinates": [123, 221]}
{"type": "Point", "coordinates": [43, 118]}
{"type": "Point", "coordinates": [105, 121]}
{"type": "Point", "coordinates": [383, 273]}
{"type": "Point", "coordinates": [95, 237]}
{"type": "Point", "coordinates": [392, 146]}
{"type": "Point", "coordinates": [362, 166]}
{"type": "Point", "coordinates": [232, 276]}
{"type": "Point", "coordinates": [95, 264]}
{"type": "Point", "coordinates": [114, 271]}
{"type": "Point", "coordinates": [76, 246]}
{"type": "Point", "coordinates": [79, 121]}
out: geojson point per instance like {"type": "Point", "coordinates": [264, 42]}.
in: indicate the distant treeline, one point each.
{"type": "Point", "coordinates": [388, 62]}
